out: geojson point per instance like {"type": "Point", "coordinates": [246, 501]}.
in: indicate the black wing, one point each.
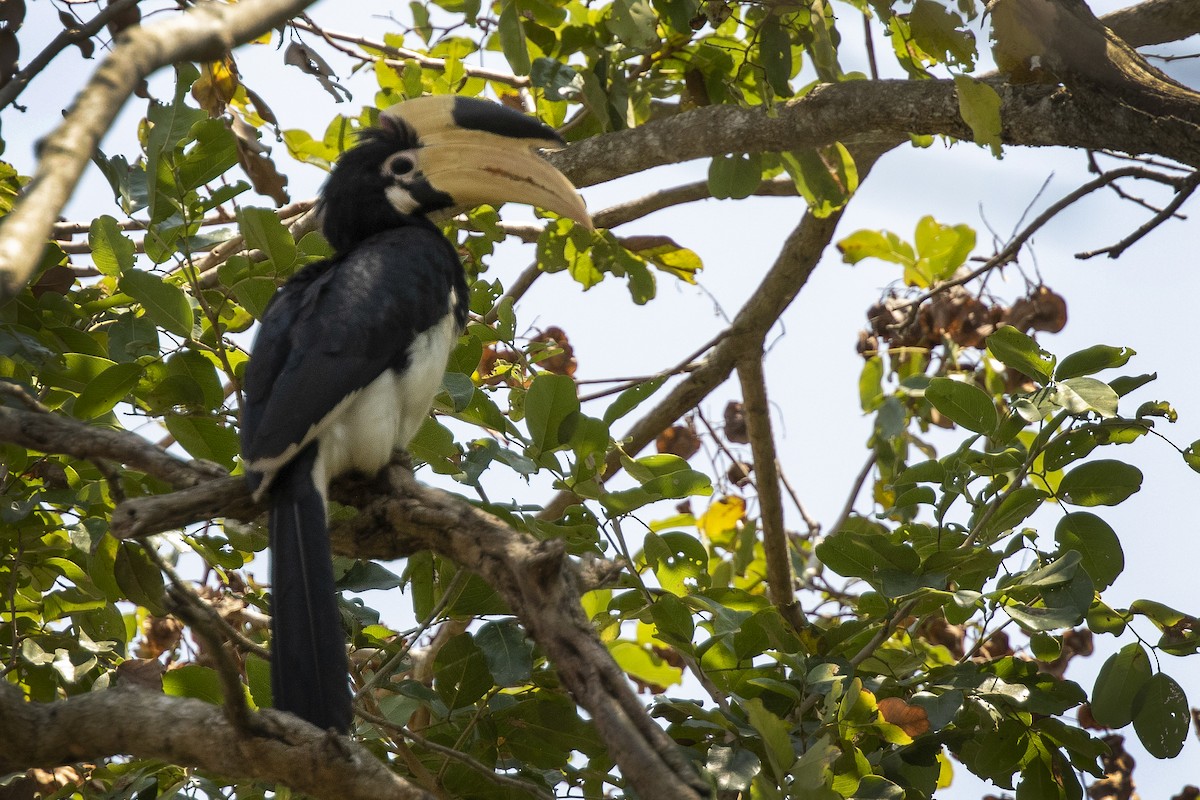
{"type": "Point", "coordinates": [337, 325]}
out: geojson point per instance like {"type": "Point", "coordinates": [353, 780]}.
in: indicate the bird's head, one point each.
{"type": "Point", "coordinates": [437, 153]}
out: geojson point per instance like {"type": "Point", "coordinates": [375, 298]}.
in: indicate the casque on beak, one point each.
{"type": "Point", "coordinates": [477, 152]}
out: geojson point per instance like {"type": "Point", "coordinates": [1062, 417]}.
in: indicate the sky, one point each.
{"type": "Point", "coordinates": [1145, 300]}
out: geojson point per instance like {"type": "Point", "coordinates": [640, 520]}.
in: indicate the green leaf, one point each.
{"type": "Point", "coordinates": [106, 390]}
{"type": "Point", "coordinates": [508, 652]}
{"type": "Point", "coordinates": [512, 38]}
{"type": "Point", "coordinates": [112, 251]}
{"type": "Point", "coordinates": [1121, 678]}
{"type": "Point", "coordinates": [964, 403]}
{"type": "Point", "coordinates": [1191, 455]}
{"type": "Point", "coordinates": [1096, 542]}
{"type": "Point", "coordinates": [775, 734]}
{"type": "Point", "coordinates": [1105, 482]}
{"type": "Point", "coordinates": [734, 176]}
{"type": "Point", "coordinates": [875, 787]}
{"type": "Point", "coordinates": [1016, 350]}
{"type": "Point", "coordinates": [679, 561]}
{"type": "Point", "coordinates": [1015, 509]}
{"type": "Point", "coordinates": [883, 245]}
{"type": "Point", "coordinates": [634, 23]}
{"type": "Point", "coordinates": [643, 665]}
{"type": "Point", "coordinates": [1127, 383]}
{"type": "Point", "coordinates": [826, 177]}
{"type": "Point", "coordinates": [775, 55]}
{"type": "Point", "coordinates": [870, 385]}
{"type": "Point", "coordinates": [853, 554]}
{"type": "Point", "coordinates": [165, 303]}
{"type": "Point", "coordinates": [1069, 447]}
{"type": "Point", "coordinates": [558, 80]}
{"type": "Point", "coordinates": [367, 575]}
{"type": "Point", "coordinates": [460, 388]}
{"type": "Point", "coordinates": [1161, 716]}
{"type": "Point", "coordinates": [630, 399]}
{"type": "Point", "coordinates": [941, 250]}
{"type": "Point", "coordinates": [733, 768]}
{"type": "Point", "coordinates": [263, 231]}
{"type": "Point", "coordinates": [205, 438]}
{"type": "Point", "coordinates": [1081, 395]}
{"type": "Point", "coordinates": [213, 153]}
{"type": "Point", "coordinates": [938, 32]}
{"type": "Point", "coordinates": [979, 106]}
{"type": "Point", "coordinates": [551, 409]}
{"type": "Point", "coordinates": [138, 577]}
{"type": "Point", "coordinates": [1093, 359]}
{"type": "Point", "coordinates": [254, 293]}
{"type": "Point", "coordinates": [192, 680]}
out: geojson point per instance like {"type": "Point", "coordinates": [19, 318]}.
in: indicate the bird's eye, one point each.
{"type": "Point", "coordinates": [400, 165]}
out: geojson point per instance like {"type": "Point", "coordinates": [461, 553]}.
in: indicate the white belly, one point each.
{"type": "Point", "coordinates": [385, 415]}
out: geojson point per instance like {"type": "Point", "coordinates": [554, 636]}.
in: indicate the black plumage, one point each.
{"type": "Point", "coordinates": [351, 351]}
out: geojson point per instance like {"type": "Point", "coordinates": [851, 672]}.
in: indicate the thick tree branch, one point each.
{"type": "Point", "coordinates": [874, 111]}
{"type": "Point", "coordinates": [203, 32]}
{"type": "Point", "coordinates": [147, 724]}
{"type": "Point", "coordinates": [52, 433]}
{"type": "Point", "coordinates": [1155, 22]}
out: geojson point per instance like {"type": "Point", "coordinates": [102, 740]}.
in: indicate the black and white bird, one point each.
{"type": "Point", "coordinates": [352, 349]}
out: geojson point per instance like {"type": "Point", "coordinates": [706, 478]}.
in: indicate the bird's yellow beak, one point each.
{"type": "Point", "coordinates": [477, 152]}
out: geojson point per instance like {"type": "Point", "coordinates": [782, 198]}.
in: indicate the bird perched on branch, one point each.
{"type": "Point", "coordinates": [352, 349]}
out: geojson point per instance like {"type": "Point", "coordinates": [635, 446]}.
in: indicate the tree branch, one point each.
{"type": "Point", "coordinates": [146, 724]}
{"type": "Point", "coordinates": [53, 433]}
{"type": "Point", "coordinates": [203, 32]}
{"type": "Point", "coordinates": [770, 500]}
{"type": "Point", "coordinates": [69, 36]}
{"type": "Point", "coordinates": [1155, 22]}
{"type": "Point", "coordinates": [872, 112]}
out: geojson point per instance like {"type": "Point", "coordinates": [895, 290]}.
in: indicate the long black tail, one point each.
{"type": "Point", "coordinates": [308, 647]}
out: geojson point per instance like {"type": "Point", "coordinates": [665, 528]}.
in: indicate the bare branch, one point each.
{"type": "Point", "coordinates": [1186, 187]}
{"type": "Point", "coordinates": [146, 724]}
{"type": "Point", "coordinates": [404, 54]}
{"type": "Point", "coordinates": [203, 32]}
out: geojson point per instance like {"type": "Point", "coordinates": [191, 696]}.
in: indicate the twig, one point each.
{"type": "Point", "coordinates": [1184, 190]}
{"type": "Point", "coordinates": [688, 363]}
{"type": "Point", "coordinates": [855, 488]}
{"type": "Point", "coordinates": [69, 36]}
{"type": "Point", "coordinates": [423, 60]}
{"type": "Point", "coordinates": [1009, 252]}
{"type": "Point", "coordinates": [449, 752]}
{"type": "Point", "coordinates": [449, 595]}
{"type": "Point", "coordinates": [814, 527]}
{"type": "Point", "coordinates": [207, 616]}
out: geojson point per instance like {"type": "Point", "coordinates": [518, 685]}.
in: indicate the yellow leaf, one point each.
{"type": "Point", "coordinates": [721, 518]}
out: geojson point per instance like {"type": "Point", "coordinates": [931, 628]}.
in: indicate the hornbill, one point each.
{"type": "Point", "coordinates": [352, 349]}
